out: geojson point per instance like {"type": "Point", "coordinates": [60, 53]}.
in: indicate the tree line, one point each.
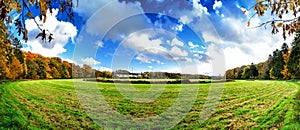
{"type": "Point", "coordinates": [17, 64]}
{"type": "Point", "coordinates": [283, 64]}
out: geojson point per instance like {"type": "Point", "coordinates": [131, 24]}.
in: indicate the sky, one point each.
{"type": "Point", "coordinates": [186, 36]}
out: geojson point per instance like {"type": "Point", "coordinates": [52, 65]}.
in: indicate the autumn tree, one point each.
{"type": "Point", "coordinates": [240, 72]}
{"type": "Point", "coordinates": [230, 74]}
{"type": "Point", "coordinates": [279, 9]}
{"type": "Point", "coordinates": [4, 49]}
{"type": "Point", "coordinates": [14, 69]}
{"type": "Point", "coordinates": [88, 71]}
{"type": "Point", "coordinates": [285, 55]}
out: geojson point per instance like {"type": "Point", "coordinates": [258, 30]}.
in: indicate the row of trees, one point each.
{"type": "Point", "coordinates": [283, 64]}
{"type": "Point", "coordinates": [16, 64]}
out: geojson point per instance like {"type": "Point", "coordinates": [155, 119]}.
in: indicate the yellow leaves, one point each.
{"type": "Point", "coordinates": [19, 8]}
{"type": "Point", "coordinates": [248, 24]}
{"type": "Point", "coordinates": [31, 1]}
{"type": "Point", "coordinates": [279, 24]}
{"type": "Point", "coordinates": [44, 8]}
{"type": "Point", "coordinates": [265, 7]}
{"type": "Point", "coordinates": [291, 6]}
{"type": "Point", "coordinates": [29, 14]}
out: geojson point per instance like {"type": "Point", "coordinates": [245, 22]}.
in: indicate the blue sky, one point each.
{"type": "Point", "coordinates": [195, 36]}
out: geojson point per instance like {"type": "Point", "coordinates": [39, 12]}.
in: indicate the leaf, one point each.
{"type": "Point", "coordinates": [291, 6]}
{"type": "Point", "coordinates": [42, 34]}
{"type": "Point", "coordinates": [19, 8]}
{"type": "Point", "coordinates": [248, 23]}
{"type": "Point", "coordinates": [29, 14]}
{"type": "Point", "coordinates": [279, 24]}
{"type": "Point", "coordinates": [50, 37]}
{"type": "Point", "coordinates": [45, 18]}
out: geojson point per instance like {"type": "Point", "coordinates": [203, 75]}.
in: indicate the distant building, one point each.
{"type": "Point", "coordinates": [126, 74]}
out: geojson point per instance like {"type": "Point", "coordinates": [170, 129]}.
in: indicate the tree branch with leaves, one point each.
{"type": "Point", "coordinates": [23, 9]}
{"type": "Point", "coordinates": [279, 8]}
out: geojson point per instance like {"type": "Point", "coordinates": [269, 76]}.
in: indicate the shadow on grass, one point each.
{"type": "Point", "coordinates": [184, 81]}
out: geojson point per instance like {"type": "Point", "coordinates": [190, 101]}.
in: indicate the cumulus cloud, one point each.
{"type": "Point", "coordinates": [176, 42]}
{"type": "Point", "coordinates": [143, 58]}
{"type": "Point", "coordinates": [150, 67]}
{"type": "Point", "coordinates": [143, 42]}
{"type": "Point", "coordinates": [218, 4]}
{"type": "Point", "coordinates": [62, 33]}
{"type": "Point", "coordinates": [117, 20]}
{"type": "Point", "coordinates": [201, 9]}
{"type": "Point", "coordinates": [192, 45]}
{"type": "Point", "coordinates": [177, 52]}
{"type": "Point", "coordinates": [105, 69]}
{"type": "Point", "coordinates": [90, 61]}
{"type": "Point", "coordinates": [87, 8]}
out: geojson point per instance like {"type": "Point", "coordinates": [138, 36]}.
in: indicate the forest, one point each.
{"type": "Point", "coordinates": [283, 64]}
{"type": "Point", "coordinates": [17, 64]}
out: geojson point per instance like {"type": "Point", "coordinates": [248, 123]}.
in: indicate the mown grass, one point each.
{"type": "Point", "coordinates": [53, 104]}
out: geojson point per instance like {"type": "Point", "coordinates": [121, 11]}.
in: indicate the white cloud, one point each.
{"type": "Point", "coordinates": [199, 8]}
{"type": "Point", "coordinates": [177, 52]}
{"type": "Point", "coordinates": [90, 61]}
{"type": "Point", "coordinates": [142, 42]}
{"type": "Point", "coordinates": [150, 67]}
{"type": "Point", "coordinates": [146, 59]}
{"type": "Point", "coordinates": [117, 20]}
{"type": "Point", "coordinates": [143, 58]}
{"type": "Point", "coordinates": [105, 69]}
{"type": "Point", "coordinates": [99, 44]}
{"type": "Point", "coordinates": [62, 32]}
{"type": "Point", "coordinates": [155, 47]}
{"type": "Point", "coordinates": [69, 60]}
{"type": "Point", "coordinates": [218, 4]}
{"type": "Point", "coordinates": [192, 45]}
{"type": "Point", "coordinates": [87, 8]}
{"type": "Point", "coordinates": [185, 19]}
{"type": "Point", "coordinates": [176, 42]}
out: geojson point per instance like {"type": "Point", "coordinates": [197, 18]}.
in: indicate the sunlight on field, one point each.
{"type": "Point", "coordinates": [53, 104]}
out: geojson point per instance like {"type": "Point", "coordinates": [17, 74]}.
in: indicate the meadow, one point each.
{"type": "Point", "coordinates": [53, 104]}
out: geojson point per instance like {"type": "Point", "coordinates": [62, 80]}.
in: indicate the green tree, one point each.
{"type": "Point", "coordinates": [246, 73]}
{"type": "Point", "coordinates": [41, 71]}
{"type": "Point", "coordinates": [31, 69]}
{"type": "Point", "coordinates": [277, 65]}
{"type": "Point", "coordinates": [267, 67]}
{"type": "Point", "coordinates": [240, 72]}
{"type": "Point", "coordinates": [284, 48]}
{"type": "Point", "coordinates": [293, 63]}
{"type": "Point", "coordinates": [253, 71]}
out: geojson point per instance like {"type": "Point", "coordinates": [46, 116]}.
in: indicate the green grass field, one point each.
{"type": "Point", "coordinates": [53, 104]}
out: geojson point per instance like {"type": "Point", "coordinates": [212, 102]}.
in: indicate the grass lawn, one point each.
{"type": "Point", "coordinates": [53, 104]}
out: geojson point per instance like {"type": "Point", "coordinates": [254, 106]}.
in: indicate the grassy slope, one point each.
{"type": "Point", "coordinates": [244, 104]}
